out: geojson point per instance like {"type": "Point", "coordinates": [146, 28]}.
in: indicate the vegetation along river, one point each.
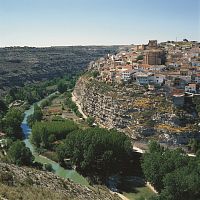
{"type": "Point", "coordinates": [60, 171]}
{"type": "Point", "coordinates": [132, 193]}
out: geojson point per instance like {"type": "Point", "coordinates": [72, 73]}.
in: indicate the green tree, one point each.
{"type": "Point", "coordinates": [140, 57]}
{"type": "Point", "coordinates": [12, 123]}
{"type": "Point", "coordinates": [96, 151]}
{"type": "Point", "coordinates": [157, 163]}
{"type": "Point", "coordinates": [90, 121]}
{"type": "Point", "coordinates": [19, 154]}
{"type": "Point", "coordinates": [62, 86]}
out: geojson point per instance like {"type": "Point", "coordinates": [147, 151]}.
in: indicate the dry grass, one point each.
{"type": "Point", "coordinates": [173, 129]}
{"type": "Point", "coordinates": [29, 193]}
{"type": "Point", "coordinates": [142, 103]}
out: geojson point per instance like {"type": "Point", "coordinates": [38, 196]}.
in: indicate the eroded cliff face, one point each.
{"type": "Point", "coordinates": [135, 111]}
{"type": "Point", "coordinates": [98, 101]}
{"type": "Point", "coordinates": [29, 184]}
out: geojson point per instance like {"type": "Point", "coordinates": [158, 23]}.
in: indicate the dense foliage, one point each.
{"type": "Point", "coordinates": [19, 154]}
{"type": "Point", "coordinates": [36, 116]}
{"type": "Point", "coordinates": [174, 174]}
{"type": "Point", "coordinates": [22, 65]}
{"type": "Point", "coordinates": [31, 93]}
{"type": "Point", "coordinates": [96, 151]}
{"type": "Point", "coordinates": [62, 86]}
{"type": "Point", "coordinates": [12, 123]}
{"type": "Point", "coordinates": [35, 92]}
{"type": "Point", "coordinates": [3, 106]}
{"type": "Point", "coordinates": [45, 133]}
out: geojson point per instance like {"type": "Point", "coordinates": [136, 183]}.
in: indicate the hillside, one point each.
{"type": "Point", "coordinates": [133, 109]}
{"type": "Point", "coordinates": [28, 184]}
{"type": "Point", "coordinates": [23, 65]}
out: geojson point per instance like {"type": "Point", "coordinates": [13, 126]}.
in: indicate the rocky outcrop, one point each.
{"type": "Point", "coordinates": [107, 111]}
{"type": "Point", "coordinates": [18, 181]}
{"type": "Point", "coordinates": [134, 111]}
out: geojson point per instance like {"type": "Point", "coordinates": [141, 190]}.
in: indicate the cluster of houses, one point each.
{"type": "Point", "coordinates": [175, 65]}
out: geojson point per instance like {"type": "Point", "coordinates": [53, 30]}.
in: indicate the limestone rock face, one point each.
{"type": "Point", "coordinates": [107, 111]}
{"type": "Point", "coordinates": [134, 111]}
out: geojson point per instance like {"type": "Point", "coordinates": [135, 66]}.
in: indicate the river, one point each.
{"type": "Point", "coordinates": [58, 170]}
{"type": "Point", "coordinates": [132, 194]}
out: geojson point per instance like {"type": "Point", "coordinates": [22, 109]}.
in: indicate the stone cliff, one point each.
{"type": "Point", "coordinates": [96, 100]}
{"type": "Point", "coordinates": [135, 111]}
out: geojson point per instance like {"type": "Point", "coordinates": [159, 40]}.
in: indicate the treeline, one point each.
{"type": "Point", "coordinates": [97, 153]}
{"type": "Point", "coordinates": [10, 124]}
{"type": "Point", "coordinates": [35, 92]}
{"type": "Point", "coordinates": [36, 116]}
{"type": "Point", "coordinates": [173, 173]}
{"type": "Point", "coordinates": [45, 133]}
{"type": "Point", "coordinates": [31, 93]}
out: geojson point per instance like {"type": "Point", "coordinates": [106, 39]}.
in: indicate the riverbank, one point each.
{"type": "Point", "coordinates": [72, 174]}
{"type": "Point", "coordinates": [58, 170]}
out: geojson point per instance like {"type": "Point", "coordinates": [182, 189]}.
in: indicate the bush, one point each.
{"type": "Point", "coordinates": [19, 154]}
{"type": "Point", "coordinates": [90, 121]}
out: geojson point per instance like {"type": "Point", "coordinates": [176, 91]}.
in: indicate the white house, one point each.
{"type": "Point", "coordinates": [195, 64]}
{"type": "Point", "coordinates": [197, 78]}
{"type": "Point", "coordinates": [142, 78]}
{"type": "Point", "coordinates": [158, 79]}
{"type": "Point", "coordinates": [192, 88]}
{"type": "Point", "coordinates": [126, 75]}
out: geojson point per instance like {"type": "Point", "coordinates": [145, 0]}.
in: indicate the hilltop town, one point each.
{"type": "Point", "coordinates": [148, 91]}
{"type": "Point", "coordinates": [175, 65]}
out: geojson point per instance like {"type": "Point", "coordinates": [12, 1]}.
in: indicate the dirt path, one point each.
{"type": "Point", "coordinates": [74, 99]}
{"type": "Point", "coordinates": [151, 187]}
{"type": "Point", "coordinates": [122, 196]}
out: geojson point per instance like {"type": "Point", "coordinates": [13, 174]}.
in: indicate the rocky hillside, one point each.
{"type": "Point", "coordinates": [19, 66]}
{"type": "Point", "coordinates": [133, 109]}
{"type": "Point", "coordinates": [30, 184]}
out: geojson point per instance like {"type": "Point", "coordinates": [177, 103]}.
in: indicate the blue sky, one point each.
{"type": "Point", "coordinates": [96, 22]}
